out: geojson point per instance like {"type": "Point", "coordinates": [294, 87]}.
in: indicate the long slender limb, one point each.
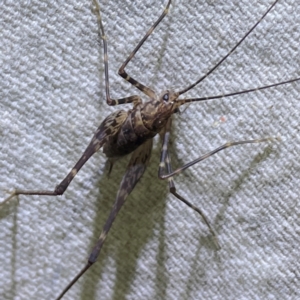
{"type": "Point", "coordinates": [60, 188]}
{"type": "Point", "coordinates": [198, 210]}
{"type": "Point", "coordinates": [172, 187]}
{"type": "Point", "coordinates": [165, 166]}
{"type": "Point", "coordinates": [122, 71]}
{"type": "Point", "coordinates": [164, 154]}
{"type": "Point", "coordinates": [134, 172]}
{"type": "Point", "coordinates": [99, 138]}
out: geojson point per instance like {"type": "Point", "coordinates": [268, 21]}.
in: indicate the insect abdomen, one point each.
{"type": "Point", "coordinates": [132, 134]}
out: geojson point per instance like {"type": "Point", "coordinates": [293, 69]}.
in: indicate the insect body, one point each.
{"type": "Point", "coordinates": [125, 132]}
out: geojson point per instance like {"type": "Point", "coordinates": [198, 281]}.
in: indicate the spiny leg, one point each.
{"type": "Point", "coordinates": [122, 71]}
{"type": "Point", "coordinates": [132, 99]}
{"type": "Point", "coordinates": [135, 169]}
{"type": "Point", "coordinates": [172, 187]}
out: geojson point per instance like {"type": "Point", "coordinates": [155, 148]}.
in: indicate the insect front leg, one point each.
{"type": "Point", "coordinates": [165, 170]}
{"type": "Point", "coordinates": [207, 155]}
{"type": "Point", "coordinates": [166, 165]}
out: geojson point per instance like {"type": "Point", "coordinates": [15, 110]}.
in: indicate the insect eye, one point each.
{"type": "Point", "coordinates": [166, 97]}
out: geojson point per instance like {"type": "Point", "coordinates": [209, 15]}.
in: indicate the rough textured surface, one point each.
{"type": "Point", "coordinates": [52, 99]}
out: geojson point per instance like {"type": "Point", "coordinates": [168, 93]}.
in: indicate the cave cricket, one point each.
{"type": "Point", "coordinates": [132, 131]}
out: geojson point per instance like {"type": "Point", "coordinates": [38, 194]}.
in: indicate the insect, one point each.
{"type": "Point", "coordinates": [56, 203]}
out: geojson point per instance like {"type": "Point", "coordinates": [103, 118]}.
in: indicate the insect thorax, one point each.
{"type": "Point", "coordinates": [141, 123]}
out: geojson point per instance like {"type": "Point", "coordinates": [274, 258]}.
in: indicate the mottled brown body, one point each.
{"type": "Point", "coordinates": [127, 130]}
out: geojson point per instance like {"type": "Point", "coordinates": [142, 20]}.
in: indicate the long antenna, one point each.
{"type": "Point", "coordinates": [183, 101]}
{"type": "Point", "coordinates": [229, 53]}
